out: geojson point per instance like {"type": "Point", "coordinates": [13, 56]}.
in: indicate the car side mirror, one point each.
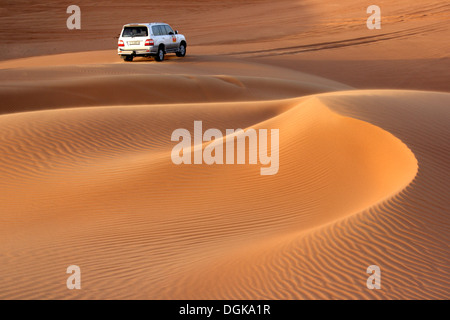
{"type": "Point", "coordinates": [176, 31]}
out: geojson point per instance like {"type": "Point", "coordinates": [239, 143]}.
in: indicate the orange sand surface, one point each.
{"type": "Point", "coordinates": [364, 178]}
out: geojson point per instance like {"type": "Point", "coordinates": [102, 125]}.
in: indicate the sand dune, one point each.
{"type": "Point", "coordinates": [319, 150]}
{"type": "Point", "coordinates": [153, 89]}
{"type": "Point", "coordinates": [87, 176]}
{"type": "Point", "coordinates": [127, 204]}
{"type": "Point", "coordinates": [407, 233]}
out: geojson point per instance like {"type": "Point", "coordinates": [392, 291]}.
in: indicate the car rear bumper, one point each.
{"type": "Point", "coordinates": [136, 52]}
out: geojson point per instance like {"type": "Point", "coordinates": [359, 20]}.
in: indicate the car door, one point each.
{"type": "Point", "coordinates": [164, 36]}
{"type": "Point", "coordinates": [158, 36]}
{"type": "Point", "coordinates": [172, 38]}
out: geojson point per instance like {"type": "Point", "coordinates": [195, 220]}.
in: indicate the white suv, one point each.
{"type": "Point", "coordinates": [150, 39]}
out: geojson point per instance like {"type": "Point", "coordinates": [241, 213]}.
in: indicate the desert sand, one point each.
{"type": "Point", "coordinates": [364, 121]}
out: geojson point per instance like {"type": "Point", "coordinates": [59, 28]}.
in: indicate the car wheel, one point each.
{"type": "Point", "coordinates": [127, 58]}
{"type": "Point", "coordinates": [182, 50]}
{"type": "Point", "coordinates": [160, 54]}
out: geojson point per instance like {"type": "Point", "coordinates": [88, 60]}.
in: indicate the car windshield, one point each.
{"type": "Point", "coordinates": [135, 32]}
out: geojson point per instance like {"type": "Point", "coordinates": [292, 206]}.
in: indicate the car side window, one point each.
{"type": "Point", "coordinates": [161, 29]}
{"type": "Point", "coordinates": [169, 29]}
{"type": "Point", "coordinates": [156, 31]}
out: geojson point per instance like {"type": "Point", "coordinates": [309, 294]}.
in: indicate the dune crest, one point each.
{"type": "Point", "coordinates": [405, 234]}
{"type": "Point", "coordinates": [319, 151]}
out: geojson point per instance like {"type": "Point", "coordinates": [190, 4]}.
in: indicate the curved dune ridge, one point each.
{"type": "Point", "coordinates": [96, 187]}
{"type": "Point", "coordinates": [406, 234]}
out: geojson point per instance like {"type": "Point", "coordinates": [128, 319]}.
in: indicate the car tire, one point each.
{"type": "Point", "coordinates": [160, 54]}
{"type": "Point", "coordinates": [127, 58]}
{"type": "Point", "coordinates": [182, 50]}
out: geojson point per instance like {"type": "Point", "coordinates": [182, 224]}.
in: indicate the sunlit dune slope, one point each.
{"type": "Point", "coordinates": [100, 180]}
{"type": "Point", "coordinates": [406, 235]}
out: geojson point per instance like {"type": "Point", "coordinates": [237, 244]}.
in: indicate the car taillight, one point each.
{"type": "Point", "coordinates": [149, 42]}
{"type": "Point", "coordinates": [120, 43]}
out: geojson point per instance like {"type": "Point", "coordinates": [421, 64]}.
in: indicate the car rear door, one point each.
{"type": "Point", "coordinates": [134, 37]}
{"type": "Point", "coordinates": [163, 36]}
{"type": "Point", "coordinates": [158, 36]}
